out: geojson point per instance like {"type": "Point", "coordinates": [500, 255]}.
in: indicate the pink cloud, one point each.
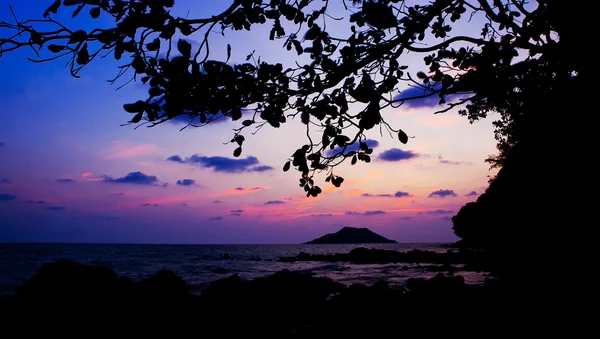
{"type": "Point", "coordinates": [123, 150]}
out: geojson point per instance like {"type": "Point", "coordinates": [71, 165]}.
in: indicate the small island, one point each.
{"type": "Point", "coordinates": [352, 235]}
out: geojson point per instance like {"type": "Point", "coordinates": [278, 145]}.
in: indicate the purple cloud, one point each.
{"type": "Point", "coordinates": [354, 147]}
{"type": "Point", "coordinates": [447, 162]}
{"type": "Point", "coordinates": [38, 202]}
{"type": "Point", "coordinates": [377, 195]}
{"type": "Point", "coordinates": [4, 181]}
{"type": "Point", "coordinates": [223, 164]}
{"type": "Point", "coordinates": [7, 197]}
{"type": "Point", "coordinates": [186, 182]}
{"type": "Point", "coordinates": [239, 188]}
{"type": "Point", "coordinates": [56, 208]}
{"type": "Point", "coordinates": [396, 154]}
{"type": "Point", "coordinates": [471, 194]}
{"type": "Point", "coordinates": [2, 144]}
{"type": "Point", "coordinates": [401, 194]}
{"type": "Point", "coordinates": [367, 213]}
{"type": "Point", "coordinates": [442, 194]}
{"type": "Point", "coordinates": [439, 211]}
{"type": "Point", "coordinates": [237, 211]}
{"type": "Point", "coordinates": [274, 202]}
{"type": "Point", "coordinates": [322, 215]}
{"type": "Point", "coordinates": [136, 178]}
{"type": "Point", "coordinates": [216, 218]}
{"type": "Point", "coordinates": [148, 204]}
{"type": "Point", "coordinates": [236, 214]}
{"type": "Point", "coordinates": [65, 180]}
{"type": "Point", "coordinates": [217, 202]}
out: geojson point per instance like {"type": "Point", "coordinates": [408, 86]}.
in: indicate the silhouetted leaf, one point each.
{"type": "Point", "coordinates": [286, 167]}
{"type": "Point", "coordinates": [353, 161]}
{"type": "Point", "coordinates": [53, 8]}
{"type": "Point", "coordinates": [421, 75]}
{"type": "Point", "coordinates": [83, 56]}
{"type": "Point", "coordinates": [95, 12]}
{"type": "Point", "coordinates": [136, 107]}
{"type": "Point", "coordinates": [228, 52]}
{"type": "Point", "coordinates": [237, 152]}
{"type": "Point", "coordinates": [77, 10]}
{"type": "Point", "coordinates": [77, 36]}
{"type": "Point", "coordinates": [55, 48]}
{"type": "Point", "coordinates": [185, 48]}
{"type": "Point", "coordinates": [137, 118]}
{"type": "Point", "coordinates": [402, 137]}
{"type": "Point", "coordinates": [247, 122]}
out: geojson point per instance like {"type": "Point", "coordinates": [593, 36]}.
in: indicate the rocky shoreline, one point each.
{"type": "Point", "coordinates": [66, 297]}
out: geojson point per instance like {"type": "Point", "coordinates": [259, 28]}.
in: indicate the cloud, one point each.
{"type": "Point", "coordinates": [377, 195]}
{"type": "Point", "coordinates": [216, 218]}
{"type": "Point", "coordinates": [7, 197]}
{"type": "Point", "coordinates": [433, 100]}
{"type": "Point", "coordinates": [255, 188]}
{"type": "Point", "coordinates": [237, 211]}
{"type": "Point", "coordinates": [471, 194]}
{"type": "Point", "coordinates": [56, 208]}
{"type": "Point", "coordinates": [148, 204]}
{"type": "Point", "coordinates": [449, 162]}
{"type": "Point", "coordinates": [396, 154]}
{"type": "Point", "coordinates": [123, 150]}
{"type": "Point", "coordinates": [374, 212]}
{"type": "Point", "coordinates": [186, 182]}
{"type": "Point", "coordinates": [367, 213]}
{"type": "Point", "coordinates": [4, 181]}
{"type": "Point", "coordinates": [223, 164]}
{"type": "Point", "coordinates": [2, 144]}
{"type": "Point", "coordinates": [405, 218]}
{"type": "Point", "coordinates": [184, 204]}
{"type": "Point", "coordinates": [447, 218]}
{"type": "Point", "coordinates": [136, 178]}
{"type": "Point", "coordinates": [217, 202]}
{"type": "Point", "coordinates": [39, 202]}
{"type": "Point", "coordinates": [274, 202]}
{"type": "Point", "coordinates": [442, 193]}
{"type": "Point", "coordinates": [354, 147]}
{"type": "Point", "coordinates": [236, 214]}
{"type": "Point", "coordinates": [65, 180]}
{"type": "Point", "coordinates": [262, 168]}
{"type": "Point", "coordinates": [439, 211]}
{"type": "Point", "coordinates": [401, 194]}
{"type": "Point", "coordinates": [322, 215]}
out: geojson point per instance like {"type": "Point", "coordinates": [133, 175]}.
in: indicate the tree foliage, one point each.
{"type": "Point", "coordinates": [515, 55]}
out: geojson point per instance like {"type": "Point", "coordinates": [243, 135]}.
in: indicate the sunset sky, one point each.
{"type": "Point", "coordinates": [69, 172]}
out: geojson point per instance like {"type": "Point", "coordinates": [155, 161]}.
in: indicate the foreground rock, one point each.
{"type": "Point", "coordinates": [69, 298]}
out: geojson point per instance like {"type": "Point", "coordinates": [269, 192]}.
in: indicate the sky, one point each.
{"type": "Point", "coordinates": [71, 172]}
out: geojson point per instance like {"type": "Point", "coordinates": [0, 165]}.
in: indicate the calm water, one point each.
{"type": "Point", "coordinates": [195, 263]}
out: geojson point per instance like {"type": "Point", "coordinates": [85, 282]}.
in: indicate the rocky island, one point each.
{"type": "Point", "coordinates": [352, 235]}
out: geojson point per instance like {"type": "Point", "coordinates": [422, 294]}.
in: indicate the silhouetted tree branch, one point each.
{"type": "Point", "coordinates": [340, 93]}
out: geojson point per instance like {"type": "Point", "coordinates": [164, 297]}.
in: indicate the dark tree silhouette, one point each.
{"type": "Point", "coordinates": [509, 63]}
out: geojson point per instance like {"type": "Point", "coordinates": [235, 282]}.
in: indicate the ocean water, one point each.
{"type": "Point", "coordinates": [196, 263]}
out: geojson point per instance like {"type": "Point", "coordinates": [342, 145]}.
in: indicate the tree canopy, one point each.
{"type": "Point", "coordinates": [515, 57]}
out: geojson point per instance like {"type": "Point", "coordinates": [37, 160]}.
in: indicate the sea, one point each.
{"type": "Point", "coordinates": [198, 264]}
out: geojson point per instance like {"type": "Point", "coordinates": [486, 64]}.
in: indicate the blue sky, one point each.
{"type": "Point", "coordinates": [71, 173]}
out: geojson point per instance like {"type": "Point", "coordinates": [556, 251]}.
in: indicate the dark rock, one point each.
{"type": "Point", "coordinates": [351, 235]}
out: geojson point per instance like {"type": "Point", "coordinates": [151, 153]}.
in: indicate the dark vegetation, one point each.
{"type": "Point", "coordinates": [70, 299]}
